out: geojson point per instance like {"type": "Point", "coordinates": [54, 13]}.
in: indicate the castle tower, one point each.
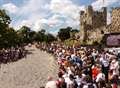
{"type": "Point", "coordinates": [89, 15]}
{"type": "Point", "coordinates": [104, 15]}
{"type": "Point", "coordinates": [89, 10]}
{"type": "Point", "coordinates": [91, 21]}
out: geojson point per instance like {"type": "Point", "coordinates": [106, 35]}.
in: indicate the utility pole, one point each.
{"type": "Point", "coordinates": [103, 3]}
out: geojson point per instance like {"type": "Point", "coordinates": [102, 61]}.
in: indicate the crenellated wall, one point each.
{"type": "Point", "coordinates": [93, 24]}
{"type": "Point", "coordinates": [91, 21]}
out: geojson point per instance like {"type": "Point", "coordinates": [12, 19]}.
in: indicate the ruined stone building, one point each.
{"type": "Point", "coordinates": [115, 22]}
{"type": "Point", "coordinates": [93, 24]}
{"type": "Point", "coordinates": [90, 23]}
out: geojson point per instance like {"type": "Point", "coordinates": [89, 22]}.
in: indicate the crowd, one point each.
{"type": "Point", "coordinates": [12, 54]}
{"type": "Point", "coordinates": [82, 67]}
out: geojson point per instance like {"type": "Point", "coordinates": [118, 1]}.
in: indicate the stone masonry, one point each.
{"type": "Point", "coordinates": [90, 23]}
{"type": "Point", "coordinates": [93, 24]}
{"type": "Point", "coordinates": [115, 24]}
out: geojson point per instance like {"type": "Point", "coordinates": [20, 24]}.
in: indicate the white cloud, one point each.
{"type": "Point", "coordinates": [99, 3]}
{"type": "Point", "coordinates": [73, 23]}
{"type": "Point", "coordinates": [50, 14]}
{"type": "Point", "coordinates": [36, 25]}
{"type": "Point", "coordinates": [32, 6]}
{"type": "Point", "coordinates": [25, 22]}
{"type": "Point", "coordinates": [30, 14]}
{"type": "Point", "coordinates": [66, 7]}
{"type": "Point", "coordinates": [55, 21]}
{"type": "Point", "coordinates": [39, 24]}
{"type": "Point", "coordinates": [68, 10]}
{"type": "Point", "coordinates": [10, 7]}
{"type": "Point", "coordinates": [47, 23]}
{"type": "Point", "coordinates": [61, 10]}
{"type": "Point", "coordinates": [33, 13]}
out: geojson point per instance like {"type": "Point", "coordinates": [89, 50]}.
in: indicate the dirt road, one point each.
{"type": "Point", "coordinates": [29, 72]}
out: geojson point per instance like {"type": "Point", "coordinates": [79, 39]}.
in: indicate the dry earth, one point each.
{"type": "Point", "coordinates": [29, 72]}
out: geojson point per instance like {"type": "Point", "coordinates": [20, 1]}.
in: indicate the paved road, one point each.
{"type": "Point", "coordinates": [30, 72]}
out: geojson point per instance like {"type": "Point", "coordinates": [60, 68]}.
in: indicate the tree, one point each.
{"type": "Point", "coordinates": [42, 31]}
{"type": "Point", "coordinates": [49, 38]}
{"type": "Point", "coordinates": [11, 37]}
{"type": "Point", "coordinates": [4, 28]}
{"type": "Point", "coordinates": [64, 33]}
{"type": "Point", "coordinates": [40, 36]}
{"type": "Point", "coordinates": [24, 34]}
{"type": "Point", "coordinates": [4, 19]}
{"type": "Point", "coordinates": [32, 35]}
{"type": "Point", "coordinates": [73, 32]}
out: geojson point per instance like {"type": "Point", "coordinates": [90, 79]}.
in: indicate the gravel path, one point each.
{"type": "Point", "coordinates": [29, 72]}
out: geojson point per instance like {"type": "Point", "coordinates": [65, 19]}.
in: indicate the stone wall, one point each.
{"type": "Point", "coordinates": [90, 22]}
{"type": "Point", "coordinates": [93, 23]}
{"type": "Point", "coordinates": [115, 24]}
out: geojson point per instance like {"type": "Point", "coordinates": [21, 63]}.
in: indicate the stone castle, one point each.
{"type": "Point", "coordinates": [115, 24]}
{"type": "Point", "coordinates": [93, 24]}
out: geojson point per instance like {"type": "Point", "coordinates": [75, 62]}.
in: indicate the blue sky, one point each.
{"type": "Point", "coordinates": [50, 14]}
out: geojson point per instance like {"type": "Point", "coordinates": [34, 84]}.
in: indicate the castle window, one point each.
{"type": "Point", "coordinates": [102, 32]}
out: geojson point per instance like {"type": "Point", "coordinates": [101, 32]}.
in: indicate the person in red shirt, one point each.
{"type": "Point", "coordinates": [95, 71]}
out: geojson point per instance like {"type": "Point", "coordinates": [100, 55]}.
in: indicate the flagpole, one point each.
{"type": "Point", "coordinates": [103, 3]}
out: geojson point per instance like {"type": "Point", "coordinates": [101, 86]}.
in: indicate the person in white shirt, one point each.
{"type": "Point", "coordinates": [100, 76]}
{"type": "Point", "coordinates": [51, 83]}
{"type": "Point", "coordinates": [114, 68]}
{"type": "Point", "coordinates": [89, 83]}
{"type": "Point", "coordinates": [79, 79]}
{"type": "Point", "coordinates": [71, 82]}
{"type": "Point", "coordinates": [94, 54]}
{"type": "Point", "coordinates": [105, 66]}
{"type": "Point", "coordinates": [104, 61]}
{"type": "Point", "coordinates": [100, 79]}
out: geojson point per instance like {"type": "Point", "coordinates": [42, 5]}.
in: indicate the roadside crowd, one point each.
{"type": "Point", "coordinates": [81, 67]}
{"type": "Point", "coordinates": [12, 54]}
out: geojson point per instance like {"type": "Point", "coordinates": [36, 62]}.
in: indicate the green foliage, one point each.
{"type": "Point", "coordinates": [50, 38]}
{"type": "Point", "coordinates": [64, 33]}
{"type": "Point", "coordinates": [71, 42]}
{"type": "Point", "coordinates": [24, 34]}
{"type": "Point", "coordinates": [4, 18]}
{"type": "Point", "coordinates": [41, 36]}
{"type": "Point", "coordinates": [73, 32]}
{"type": "Point", "coordinates": [6, 33]}
{"type": "Point", "coordinates": [95, 43]}
{"type": "Point", "coordinates": [9, 37]}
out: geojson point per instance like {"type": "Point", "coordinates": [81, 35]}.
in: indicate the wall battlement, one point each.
{"type": "Point", "coordinates": [91, 20]}
{"type": "Point", "coordinates": [93, 24]}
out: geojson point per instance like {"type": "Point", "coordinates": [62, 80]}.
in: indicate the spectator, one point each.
{"type": "Point", "coordinates": [51, 83]}
{"type": "Point", "coordinates": [84, 68]}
